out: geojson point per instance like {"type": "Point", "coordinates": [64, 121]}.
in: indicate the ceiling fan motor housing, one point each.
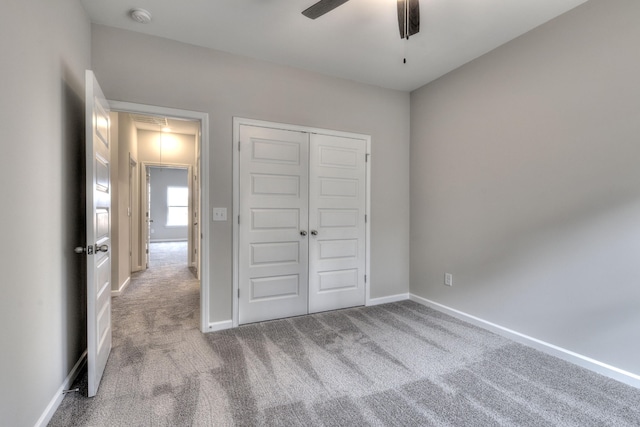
{"type": "Point", "coordinates": [408, 14]}
{"type": "Point", "coordinates": [408, 18]}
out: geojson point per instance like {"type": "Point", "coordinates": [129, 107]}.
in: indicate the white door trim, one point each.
{"type": "Point", "coordinates": [145, 196]}
{"type": "Point", "coordinates": [134, 196]}
{"type": "Point", "coordinates": [237, 122]}
{"type": "Point", "coordinates": [205, 282]}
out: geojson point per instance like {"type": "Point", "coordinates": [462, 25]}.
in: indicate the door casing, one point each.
{"type": "Point", "coordinates": [135, 264]}
{"type": "Point", "coordinates": [239, 121]}
{"type": "Point", "coordinates": [203, 167]}
{"type": "Point", "coordinates": [146, 198]}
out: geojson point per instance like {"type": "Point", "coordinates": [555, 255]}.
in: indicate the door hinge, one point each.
{"type": "Point", "coordinates": [238, 145]}
{"type": "Point", "coordinates": [238, 293]}
{"type": "Point", "coordinates": [365, 217]}
{"type": "Point", "coordinates": [366, 157]}
{"type": "Point", "coordinates": [238, 219]}
{"type": "Point", "coordinates": [365, 278]}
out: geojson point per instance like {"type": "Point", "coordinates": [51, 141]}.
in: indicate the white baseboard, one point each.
{"type": "Point", "coordinates": [388, 299]}
{"type": "Point", "coordinates": [167, 240]}
{"type": "Point", "coordinates": [53, 405]}
{"type": "Point", "coordinates": [122, 288]}
{"type": "Point", "coordinates": [219, 326]}
{"type": "Point", "coordinates": [551, 349]}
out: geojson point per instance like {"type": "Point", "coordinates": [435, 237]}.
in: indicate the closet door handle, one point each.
{"type": "Point", "coordinates": [314, 232]}
{"type": "Point", "coordinates": [303, 233]}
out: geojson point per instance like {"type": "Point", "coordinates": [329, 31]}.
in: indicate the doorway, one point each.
{"type": "Point", "coordinates": [155, 148]}
{"type": "Point", "coordinates": [169, 202]}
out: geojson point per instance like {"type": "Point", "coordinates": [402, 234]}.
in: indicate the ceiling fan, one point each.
{"type": "Point", "coordinates": [408, 14]}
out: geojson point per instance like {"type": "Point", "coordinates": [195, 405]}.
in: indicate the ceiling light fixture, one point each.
{"type": "Point", "coordinates": [139, 15]}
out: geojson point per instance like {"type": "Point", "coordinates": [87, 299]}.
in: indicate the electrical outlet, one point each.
{"type": "Point", "coordinates": [219, 214]}
{"type": "Point", "coordinates": [448, 279]}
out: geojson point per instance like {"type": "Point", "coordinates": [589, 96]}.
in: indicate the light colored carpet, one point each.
{"type": "Point", "coordinates": [398, 364]}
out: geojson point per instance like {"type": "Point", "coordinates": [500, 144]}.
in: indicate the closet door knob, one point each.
{"type": "Point", "coordinates": [303, 232]}
{"type": "Point", "coordinates": [314, 233]}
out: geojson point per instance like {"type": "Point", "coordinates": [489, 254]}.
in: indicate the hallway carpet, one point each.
{"type": "Point", "coordinates": [398, 364]}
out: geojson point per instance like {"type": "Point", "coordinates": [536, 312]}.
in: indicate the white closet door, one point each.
{"type": "Point", "coordinates": [337, 207]}
{"type": "Point", "coordinates": [273, 244]}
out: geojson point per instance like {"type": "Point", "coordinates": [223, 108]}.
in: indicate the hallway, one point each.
{"type": "Point", "coordinates": [155, 326]}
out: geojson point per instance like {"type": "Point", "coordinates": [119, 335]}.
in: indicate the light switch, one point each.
{"type": "Point", "coordinates": [219, 214]}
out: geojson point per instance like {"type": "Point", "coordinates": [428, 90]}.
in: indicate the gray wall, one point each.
{"type": "Point", "coordinates": [127, 146]}
{"type": "Point", "coordinates": [525, 184]}
{"type": "Point", "coordinates": [124, 138]}
{"type": "Point", "coordinates": [182, 76]}
{"type": "Point", "coordinates": [161, 179]}
{"type": "Point", "coordinates": [116, 226]}
{"type": "Point", "coordinates": [45, 49]}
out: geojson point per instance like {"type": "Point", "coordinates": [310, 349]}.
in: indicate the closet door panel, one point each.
{"type": "Point", "coordinates": [273, 254]}
{"type": "Point", "coordinates": [337, 207]}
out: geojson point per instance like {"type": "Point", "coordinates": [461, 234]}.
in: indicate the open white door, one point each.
{"type": "Point", "coordinates": [147, 215]}
{"type": "Point", "coordinates": [98, 233]}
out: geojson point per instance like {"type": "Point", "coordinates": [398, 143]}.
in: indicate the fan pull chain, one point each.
{"type": "Point", "coordinates": [406, 30]}
{"type": "Point", "coordinates": [404, 60]}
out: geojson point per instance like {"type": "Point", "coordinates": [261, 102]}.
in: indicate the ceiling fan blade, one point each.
{"type": "Point", "coordinates": [323, 6]}
{"type": "Point", "coordinates": [413, 14]}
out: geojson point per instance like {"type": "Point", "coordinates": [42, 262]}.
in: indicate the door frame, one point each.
{"type": "Point", "coordinates": [237, 122]}
{"type": "Point", "coordinates": [145, 198]}
{"type": "Point", "coordinates": [203, 167]}
{"type": "Point", "coordinates": [132, 212]}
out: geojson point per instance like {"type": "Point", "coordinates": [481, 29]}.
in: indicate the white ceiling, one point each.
{"type": "Point", "coordinates": [357, 41]}
{"type": "Point", "coordinates": [152, 123]}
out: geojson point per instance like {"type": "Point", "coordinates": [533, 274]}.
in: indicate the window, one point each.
{"type": "Point", "coordinates": [177, 206]}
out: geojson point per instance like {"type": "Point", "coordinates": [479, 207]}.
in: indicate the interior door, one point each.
{"type": "Point", "coordinates": [147, 215]}
{"type": "Point", "coordinates": [98, 233]}
{"type": "Point", "coordinates": [132, 212]}
{"type": "Point", "coordinates": [337, 207]}
{"type": "Point", "coordinates": [195, 230]}
{"type": "Point", "coordinates": [197, 200]}
{"type": "Point", "coordinates": [273, 239]}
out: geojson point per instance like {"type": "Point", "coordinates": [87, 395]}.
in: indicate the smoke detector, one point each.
{"type": "Point", "coordinates": [140, 15]}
